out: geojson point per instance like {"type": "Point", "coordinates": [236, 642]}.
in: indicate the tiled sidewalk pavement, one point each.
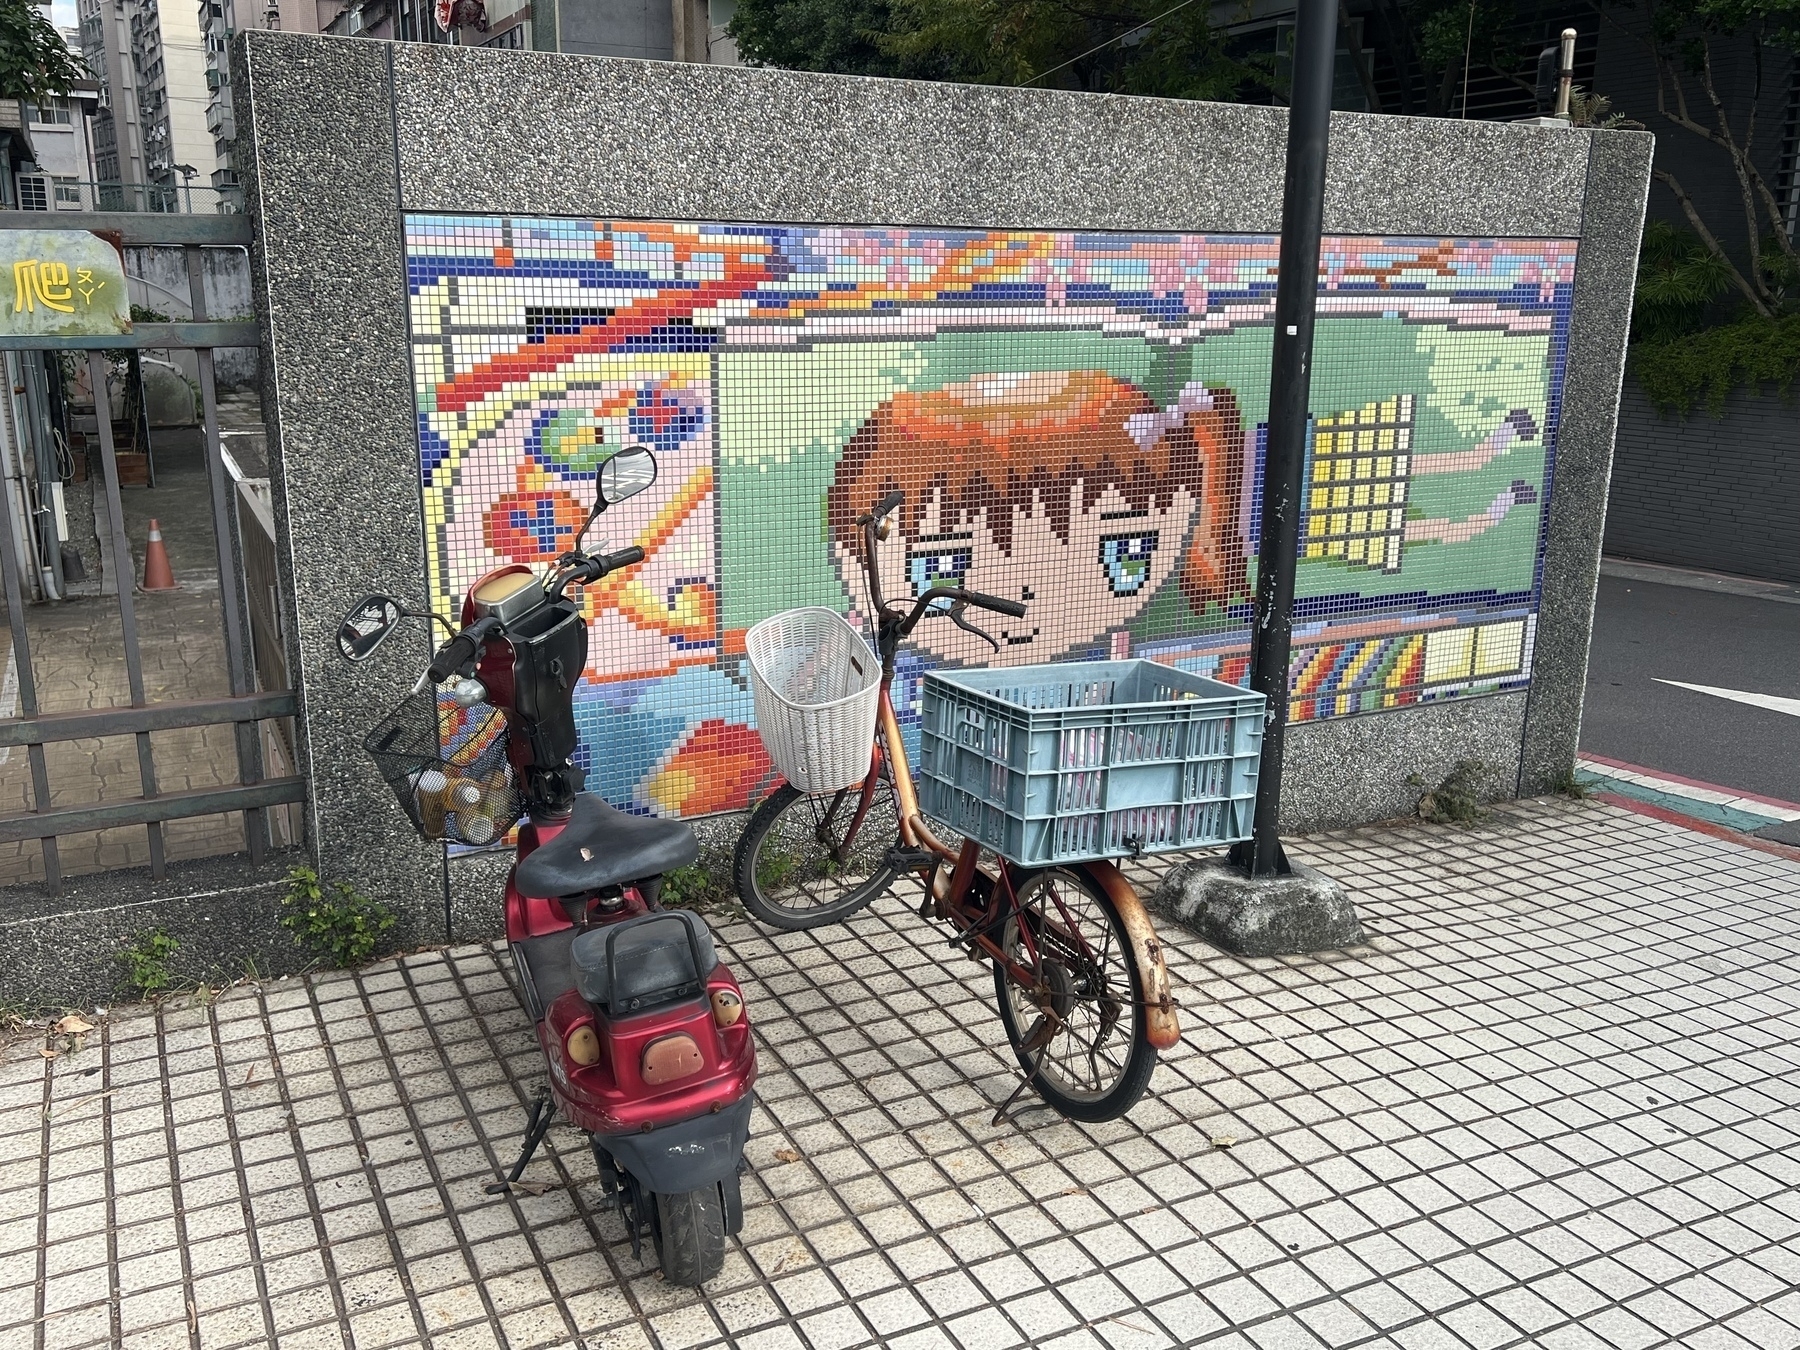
{"type": "Point", "coordinates": [1553, 1103]}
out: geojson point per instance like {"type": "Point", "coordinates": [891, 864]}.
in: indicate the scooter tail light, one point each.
{"type": "Point", "coordinates": [670, 1058]}
{"type": "Point", "coordinates": [727, 1007]}
{"type": "Point", "coordinates": [582, 1046]}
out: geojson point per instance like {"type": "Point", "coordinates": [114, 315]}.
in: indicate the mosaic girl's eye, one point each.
{"type": "Point", "coordinates": [1126, 560]}
{"type": "Point", "coordinates": [929, 565]}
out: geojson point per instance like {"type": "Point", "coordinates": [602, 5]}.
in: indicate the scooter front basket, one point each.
{"type": "Point", "coordinates": [448, 768]}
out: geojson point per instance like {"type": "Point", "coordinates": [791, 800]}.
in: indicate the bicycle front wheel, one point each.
{"type": "Point", "coordinates": [1081, 1035]}
{"type": "Point", "coordinates": [805, 860]}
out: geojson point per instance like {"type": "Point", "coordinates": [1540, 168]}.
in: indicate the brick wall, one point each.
{"type": "Point", "coordinates": [1718, 493]}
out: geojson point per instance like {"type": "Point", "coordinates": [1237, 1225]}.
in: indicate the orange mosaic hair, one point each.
{"type": "Point", "coordinates": [996, 444]}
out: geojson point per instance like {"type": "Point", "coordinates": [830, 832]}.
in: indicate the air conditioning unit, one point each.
{"type": "Point", "coordinates": [34, 191]}
{"type": "Point", "coordinates": [215, 78]}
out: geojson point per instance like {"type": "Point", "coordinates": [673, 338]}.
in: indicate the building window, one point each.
{"type": "Point", "coordinates": [511, 38]}
{"type": "Point", "coordinates": [52, 112]}
{"type": "Point", "coordinates": [68, 194]}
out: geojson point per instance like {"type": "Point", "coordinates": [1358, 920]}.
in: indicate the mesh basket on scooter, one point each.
{"type": "Point", "coordinates": [448, 767]}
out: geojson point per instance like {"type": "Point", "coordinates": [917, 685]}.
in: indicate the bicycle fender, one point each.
{"type": "Point", "coordinates": [1161, 1026]}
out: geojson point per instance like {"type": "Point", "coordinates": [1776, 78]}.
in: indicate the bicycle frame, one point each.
{"type": "Point", "coordinates": [1145, 950]}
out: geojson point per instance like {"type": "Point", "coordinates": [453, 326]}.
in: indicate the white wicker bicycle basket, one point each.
{"type": "Point", "coordinates": [817, 685]}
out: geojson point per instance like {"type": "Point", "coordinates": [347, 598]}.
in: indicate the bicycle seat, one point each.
{"type": "Point", "coordinates": [601, 846]}
{"type": "Point", "coordinates": [652, 955]}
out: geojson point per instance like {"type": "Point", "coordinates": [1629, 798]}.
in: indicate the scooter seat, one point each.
{"type": "Point", "coordinates": [652, 955]}
{"type": "Point", "coordinates": [601, 846]}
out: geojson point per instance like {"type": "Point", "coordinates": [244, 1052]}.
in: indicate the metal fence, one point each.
{"type": "Point", "coordinates": [246, 707]}
{"type": "Point", "coordinates": [47, 192]}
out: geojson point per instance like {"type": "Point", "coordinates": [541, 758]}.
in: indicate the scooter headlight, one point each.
{"type": "Point", "coordinates": [582, 1046]}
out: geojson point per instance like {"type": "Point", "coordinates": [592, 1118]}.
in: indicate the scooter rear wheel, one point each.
{"type": "Point", "coordinates": [690, 1235]}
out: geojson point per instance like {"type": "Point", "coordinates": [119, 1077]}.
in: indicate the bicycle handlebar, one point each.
{"type": "Point", "coordinates": [925, 603]}
{"type": "Point", "coordinates": [1009, 607]}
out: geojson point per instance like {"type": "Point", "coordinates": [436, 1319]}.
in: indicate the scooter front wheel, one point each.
{"type": "Point", "coordinates": [690, 1235]}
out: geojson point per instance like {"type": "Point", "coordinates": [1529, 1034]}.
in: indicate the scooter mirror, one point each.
{"type": "Point", "coordinates": [367, 626]}
{"type": "Point", "coordinates": [626, 474]}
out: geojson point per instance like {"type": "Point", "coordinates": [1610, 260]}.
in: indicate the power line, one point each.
{"type": "Point", "coordinates": [1117, 37]}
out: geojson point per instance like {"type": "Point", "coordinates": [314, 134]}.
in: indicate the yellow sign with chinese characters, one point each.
{"type": "Point", "coordinates": [61, 283]}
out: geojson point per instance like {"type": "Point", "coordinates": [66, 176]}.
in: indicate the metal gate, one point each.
{"type": "Point", "coordinates": [245, 707]}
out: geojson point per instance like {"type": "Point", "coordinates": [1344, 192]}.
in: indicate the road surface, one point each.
{"type": "Point", "coordinates": [1646, 633]}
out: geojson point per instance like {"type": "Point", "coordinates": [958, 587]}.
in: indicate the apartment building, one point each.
{"type": "Point", "coordinates": [219, 22]}
{"type": "Point", "coordinates": [150, 137]}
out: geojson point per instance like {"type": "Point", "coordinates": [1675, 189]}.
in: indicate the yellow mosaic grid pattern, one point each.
{"type": "Point", "coordinates": [1356, 496]}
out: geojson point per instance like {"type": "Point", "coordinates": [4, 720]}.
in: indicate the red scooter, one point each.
{"type": "Point", "coordinates": [644, 1031]}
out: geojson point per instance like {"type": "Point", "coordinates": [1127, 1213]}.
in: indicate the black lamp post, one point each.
{"type": "Point", "coordinates": [1296, 294]}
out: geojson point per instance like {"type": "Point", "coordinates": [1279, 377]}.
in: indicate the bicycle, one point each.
{"type": "Point", "coordinates": [1079, 978]}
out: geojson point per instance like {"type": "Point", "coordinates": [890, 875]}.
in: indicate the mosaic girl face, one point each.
{"type": "Point", "coordinates": [1071, 491]}
{"type": "Point", "coordinates": [1078, 584]}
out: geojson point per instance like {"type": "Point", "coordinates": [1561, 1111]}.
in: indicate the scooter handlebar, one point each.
{"type": "Point", "coordinates": [625, 557]}
{"type": "Point", "coordinates": [452, 656]}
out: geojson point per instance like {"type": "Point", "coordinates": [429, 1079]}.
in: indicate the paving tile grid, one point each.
{"type": "Point", "coordinates": [1553, 1101]}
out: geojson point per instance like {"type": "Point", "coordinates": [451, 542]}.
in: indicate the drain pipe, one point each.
{"type": "Point", "coordinates": [17, 499]}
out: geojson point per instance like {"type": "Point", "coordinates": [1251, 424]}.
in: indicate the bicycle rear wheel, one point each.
{"type": "Point", "coordinates": [1082, 1037]}
{"type": "Point", "coordinates": [797, 863]}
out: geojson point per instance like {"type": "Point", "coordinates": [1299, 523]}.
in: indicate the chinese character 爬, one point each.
{"type": "Point", "coordinates": [49, 282]}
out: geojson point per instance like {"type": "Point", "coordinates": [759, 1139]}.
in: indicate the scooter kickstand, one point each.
{"type": "Point", "coordinates": [543, 1109]}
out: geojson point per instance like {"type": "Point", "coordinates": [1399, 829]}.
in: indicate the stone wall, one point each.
{"type": "Point", "coordinates": [577, 137]}
{"type": "Point", "coordinates": [1717, 493]}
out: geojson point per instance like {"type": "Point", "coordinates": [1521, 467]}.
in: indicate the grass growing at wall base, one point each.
{"type": "Point", "coordinates": [1678, 372]}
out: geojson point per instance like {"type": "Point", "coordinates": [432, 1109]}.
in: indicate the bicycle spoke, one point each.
{"type": "Point", "coordinates": [807, 861]}
{"type": "Point", "coordinates": [1082, 966]}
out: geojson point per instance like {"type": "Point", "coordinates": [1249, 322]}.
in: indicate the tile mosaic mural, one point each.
{"type": "Point", "coordinates": [1077, 420]}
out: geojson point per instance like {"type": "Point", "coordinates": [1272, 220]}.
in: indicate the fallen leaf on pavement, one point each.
{"type": "Point", "coordinates": [534, 1187]}
{"type": "Point", "coordinates": [48, 1054]}
{"type": "Point", "coordinates": [786, 1155]}
{"type": "Point", "coordinates": [73, 1025]}
{"type": "Point", "coordinates": [1133, 1325]}
{"type": "Point", "coordinates": [1224, 1140]}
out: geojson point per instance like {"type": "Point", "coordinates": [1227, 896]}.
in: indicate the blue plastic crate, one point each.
{"type": "Point", "coordinates": [1093, 759]}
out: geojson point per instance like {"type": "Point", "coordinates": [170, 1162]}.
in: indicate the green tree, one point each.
{"type": "Point", "coordinates": [1678, 280]}
{"type": "Point", "coordinates": [1683, 36]}
{"type": "Point", "coordinates": [842, 37]}
{"type": "Point", "coordinates": [1103, 46]}
{"type": "Point", "coordinates": [35, 62]}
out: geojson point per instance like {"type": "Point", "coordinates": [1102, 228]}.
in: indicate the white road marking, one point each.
{"type": "Point", "coordinates": [1773, 702]}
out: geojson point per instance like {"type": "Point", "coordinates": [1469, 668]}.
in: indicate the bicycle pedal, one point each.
{"type": "Point", "coordinates": [909, 859]}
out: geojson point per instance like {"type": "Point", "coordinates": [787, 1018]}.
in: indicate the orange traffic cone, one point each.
{"type": "Point", "coordinates": [157, 574]}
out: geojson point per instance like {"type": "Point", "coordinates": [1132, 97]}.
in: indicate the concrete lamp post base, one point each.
{"type": "Point", "coordinates": [1259, 916]}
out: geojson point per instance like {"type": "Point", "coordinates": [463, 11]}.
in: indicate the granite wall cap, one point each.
{"type": "Point", "coordinates": [741, 143]}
